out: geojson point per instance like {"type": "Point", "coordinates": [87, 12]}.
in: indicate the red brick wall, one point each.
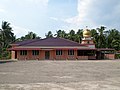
{"type": "Point", "coordinates": [65, 55]}
{"type": "Point", "coordinates": [53, 56]}
{"type": "Point", "coordinates": [109, 56]}
{"type": "Point", "coordinates": [71, 57]}
{"type": "Point", "coordinates": [60, 57]}
{"type": "Point", "coordinates": [91, 57]}
{"type": "Point", "coordinates": [82, 57]}
{"type": "Point", "coordinates": [23, 57]}
{"type": "Point", "coordinates": [41, 55]}
{"type": "Point", "coordinates": [12, 54]}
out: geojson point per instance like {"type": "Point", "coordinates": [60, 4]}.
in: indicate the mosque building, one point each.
{"type": "Point", "coordinates": [60, 49]}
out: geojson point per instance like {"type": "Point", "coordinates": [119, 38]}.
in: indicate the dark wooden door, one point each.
{"type": "Point", "coordinates": [15, 54]}
{"type": "Point", "coordinates": [47, 54]}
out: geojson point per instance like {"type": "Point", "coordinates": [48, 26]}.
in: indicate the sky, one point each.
{"type": "Point", "coordinates": [41, 16]}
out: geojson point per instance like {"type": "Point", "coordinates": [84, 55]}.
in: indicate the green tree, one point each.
{"type": "Point", "coordinates": [95, 36]}
{"type": "Point", "coordinates": [30, 35]}
{"type": "Point", "coordinates": [71, 35]}
{"type": "Point", "coordinates": [79, 35]}
{"type": "Point", "coordinates": [61, 33]}
{"type": "Point", "coordinates": [113, 35]}
{"type": "Point", "coordinates": [6, 37]}
{"type": "Point", "coordinates": [101, 37]}
{"type": "Point", "coordinates": [116, 44]}
{"type": "Point", "coordinates": [49, 34]}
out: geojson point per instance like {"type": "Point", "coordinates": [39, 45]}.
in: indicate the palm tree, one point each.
{"type": "Point", "coordinates": [101, 37]}
{"type": "Point", "coordinates": [61, 33]}
{"type": "Point", "coordinates": [7, 37]}
{"type": "Point", "coordinates": [116, 44]}
{"type": "Point", "coordinates": [94, 34]}
{"type": "Point", "coordinates": [31, 35]}
{"type": "Point", "coordinates": [113, 35]}
{"type": "Point", "coordinates": [78, 36]}
{"type": "Point", "coordinates": [7, 34]}
{"type": "Point", "coordinates": [49, 34]}
{"type": "Point", "coordinates": [71, 35]}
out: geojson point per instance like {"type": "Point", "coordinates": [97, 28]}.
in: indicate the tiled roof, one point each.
{"type": "Point", "coordinates": [48, 42]}
{"type": "Point", "coordinates": [26, 41]}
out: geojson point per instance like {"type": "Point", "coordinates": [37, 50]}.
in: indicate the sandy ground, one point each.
{"type": "Point", "coordinates": [60, 75]}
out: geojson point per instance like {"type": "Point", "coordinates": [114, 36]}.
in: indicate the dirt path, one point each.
{"type": "Point", "coordinates": [60, 75]}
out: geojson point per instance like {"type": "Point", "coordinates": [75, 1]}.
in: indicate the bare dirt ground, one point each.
{"type": "Point", "coordinates": [60, 75]}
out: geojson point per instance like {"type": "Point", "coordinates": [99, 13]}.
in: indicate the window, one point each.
{"type": "Point", "coordinates": [70, 52]}
{"type": "Point", "coordinates": [85, 53]}
{"type": "Point", "coordinates": [58, 52]}
{"type": "Point", "coordinates": [35, 52]}
{"type": "Point", "coordinates": [23, 52]}
{"type": "Point", "coordinates": [82, 53]}
{"type": "Point", "coordinates": [88, 42]}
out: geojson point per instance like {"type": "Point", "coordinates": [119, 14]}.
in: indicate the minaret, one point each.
{"type": "Point", "coordinates": [87, 39]}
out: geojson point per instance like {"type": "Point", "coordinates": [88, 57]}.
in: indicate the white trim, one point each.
{"type": "Point", "coordinates": [54, 47]}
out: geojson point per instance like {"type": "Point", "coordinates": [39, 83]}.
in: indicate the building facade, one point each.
{"type": "Point", "coordinates": [58, 49]}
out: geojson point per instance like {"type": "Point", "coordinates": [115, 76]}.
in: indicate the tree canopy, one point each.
{"type": "Point", "coordinates": [6, 38]}
{"type": "Point", "coordinates": [30, 35]}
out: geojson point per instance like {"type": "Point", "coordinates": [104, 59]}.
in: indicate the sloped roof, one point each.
{"type": "Point", "coordinates": [25, 42]}
{"type": "Point", "coordinates": [48, 42]}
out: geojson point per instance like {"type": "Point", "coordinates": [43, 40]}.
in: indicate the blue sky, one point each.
{"type": "Point", "coordinates": [41, 16]}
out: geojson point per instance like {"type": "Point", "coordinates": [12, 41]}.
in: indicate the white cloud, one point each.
{"type": "Point", "coordinates": [54, 18]}
{"type": "Point", "coordinates": [81, 20]}
{"type": "Point", "coordinates": [43, 2]}
{"type": "Point", "coordinates": [2, 10]}
{"type": "Point", "coordinates": [39, 2]}
{"type": "Point", "coordinates": [93, 13]}
{"type": "Point", "coordinates": [19, 31]}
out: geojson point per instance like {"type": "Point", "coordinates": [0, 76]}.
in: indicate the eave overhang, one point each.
{"type": "Point", "coordinates": [51, 48]}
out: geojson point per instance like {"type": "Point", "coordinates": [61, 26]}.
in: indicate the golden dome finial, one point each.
{"type": "Point", "coordinates": [86, 33]}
